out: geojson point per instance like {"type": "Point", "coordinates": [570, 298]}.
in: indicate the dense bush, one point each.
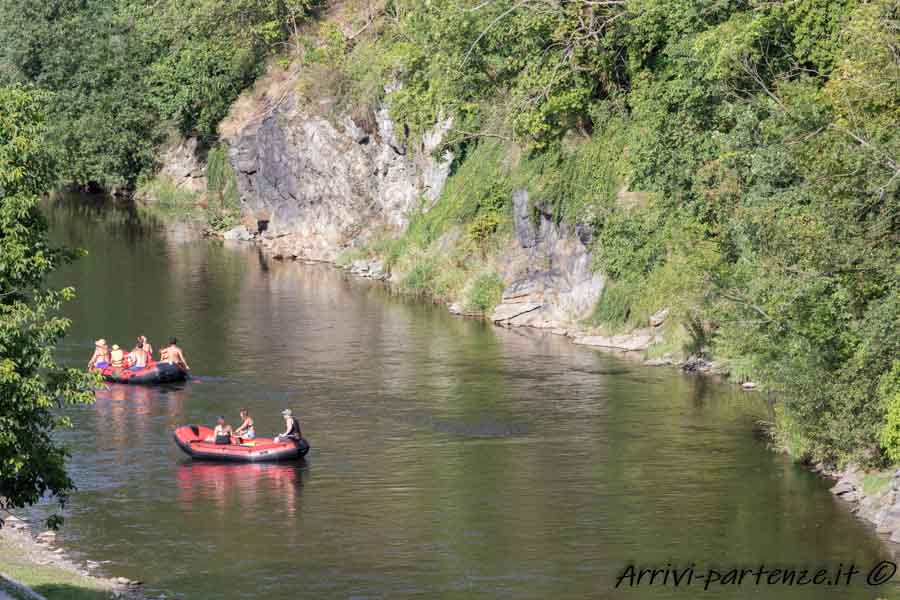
{"type": "Point", "coordinates": [124, 72]}
{"type": "Point", "coordinates": [32, 385]}
{"type": "Point", "coordinates": [485, 292]}
{"type": "Point", "coordinates": [738, 162]}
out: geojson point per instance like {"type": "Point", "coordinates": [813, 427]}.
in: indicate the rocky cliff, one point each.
{"type": "Point", "coordinates": [313, 186]}
{"type": "Point", "coordinates": [547, 268]}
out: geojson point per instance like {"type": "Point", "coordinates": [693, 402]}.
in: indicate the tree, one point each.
{"type": "Point", "coordinates": [32, 385]}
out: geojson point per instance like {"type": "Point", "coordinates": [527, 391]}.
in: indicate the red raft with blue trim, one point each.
{"type": "Point", "coordinates": [154, 373]}
{"type": "Point", "coordinates": [196, 442]}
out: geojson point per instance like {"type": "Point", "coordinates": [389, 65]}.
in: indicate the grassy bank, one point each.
{"type": "Point", "coordinates": [215, 205]}
{"type": "Point", "coordinates": [49, 574]}
{"type": "Point", "coordinates": [450, 252]}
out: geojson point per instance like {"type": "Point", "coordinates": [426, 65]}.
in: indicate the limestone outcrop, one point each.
{"type": "Point", "coordinates": [312, 186]}
{"type": "Point", "coordinates": [548, 267]}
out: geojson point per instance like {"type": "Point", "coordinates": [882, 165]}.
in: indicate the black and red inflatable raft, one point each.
{"type": "Point", "coordinates": [154, 373]}
{"type": "Point", "coordinates": [193, 440]}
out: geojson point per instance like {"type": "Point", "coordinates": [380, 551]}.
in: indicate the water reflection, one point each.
{"type": "Point", "coordinates": [239, 488]}
{"type": "Point", "coordinates": [452, 459]}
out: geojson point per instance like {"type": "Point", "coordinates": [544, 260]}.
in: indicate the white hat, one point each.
{"type": "Point", "coordinates": [287, 412]}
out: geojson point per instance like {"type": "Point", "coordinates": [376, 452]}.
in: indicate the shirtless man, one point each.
{"type": "Point", "coordinates": [173, 354]}
{"type": "Point", "coordinates": [138, 358]}
{"type": "Point", "coordinates": [143, 340]}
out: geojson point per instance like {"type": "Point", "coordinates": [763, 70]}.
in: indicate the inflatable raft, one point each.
{"type": "Point", "coordinates": [157, 372]}
{"type": "Point", "coordinates": [193, 440]}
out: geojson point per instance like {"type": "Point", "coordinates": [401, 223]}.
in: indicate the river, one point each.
{"type": "Point", "coordinates": [449, 458]}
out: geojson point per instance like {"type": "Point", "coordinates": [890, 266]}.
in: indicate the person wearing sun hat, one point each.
{"type": "Point", "coordinates": [292, 427]}
{"type": "Point", "coordinates": [100, 358]}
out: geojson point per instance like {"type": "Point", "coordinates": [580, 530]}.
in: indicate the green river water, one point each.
{"type": "Point", "coordinates": [450, 458]}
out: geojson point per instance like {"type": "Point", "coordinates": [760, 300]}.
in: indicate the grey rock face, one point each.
{"type": "Point", "coordinates": [373, 269]}
{"type": "Point", "coordinates": [549, 267]}
{"type": "Point", "coordinates": [318, 186]}
{"type": "Point", "coordinates": [631, 342]}
{"type": "Point", "coordinates": [525, 228]}
{"type": "Point", "coordinates": [239, 233]}
{"type": "Point", "coordinates": [184, 164]}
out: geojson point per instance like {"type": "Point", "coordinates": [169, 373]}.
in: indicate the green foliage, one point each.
{"type": "Point", "coordinates": [816, 26]}
{"type": "Point", "coordinates": [489, 213]}
{"type": "Point", "coordinates": [167, 202]}
{"type": "Point", "coordinates": [485, 292]}
{"type": "Point", "coordinates": [123, 72]}
{"type": "Point", "coordinates": [32, 385]}
{"type": "Point", "coordinates": [889, 393]}
{"type": "Point", "coordinates": [420, 278]}
{"type": "Point", "coordinates": [223, 206]}
{"type": "Point", "coordinates": [735, 162]}
{"type": "Point", "coordinates": [196, 86]}
{"type": "Point", "coordinates": [876, 483]}
{"type": "Point", "coordinates": [614, 307]}
{"type": "Point", "coordinates": [543, 56]}
{"type": "Point", "coordinates": [788, 433]}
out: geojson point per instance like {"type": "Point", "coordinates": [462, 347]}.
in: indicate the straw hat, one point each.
{"type": "Point", "coordinates": [115, 347]}
{"type": "Point", "coordinates": [101, 343]}
{"type": "Point", "coordinates": [287, 412]}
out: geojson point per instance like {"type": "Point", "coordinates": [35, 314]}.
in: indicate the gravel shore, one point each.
{"type": "Point", "coordinates": [32, 561]}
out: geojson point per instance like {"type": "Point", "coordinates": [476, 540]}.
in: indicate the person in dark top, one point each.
{"type": "Point", "coordinates": [222, 432]}
{"type": "Point", "coordinates": [292, 427]}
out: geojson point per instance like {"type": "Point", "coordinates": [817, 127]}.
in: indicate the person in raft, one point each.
{"type": "Point", "coordinates": [173, 354]}
{"type": "Point", "coordinates": [147, 347]}
{"type": "Point", "coordinates": [292, 427]}
{"type": "Point", "coordinates": [222, 433]}
{"type": "Point", "coordinates": [246, 429]}
{"type": "Point", "coordinates": [117, 357]}
{"type": "Point", "coordinates": [137, 358]}
{"type": "Point", "coordinates": [100, 359]}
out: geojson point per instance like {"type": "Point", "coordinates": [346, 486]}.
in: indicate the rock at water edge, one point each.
{"type": "Point", "coordinates": [505, 312]}
{"type": "Point", "coordinates": [239, 234]}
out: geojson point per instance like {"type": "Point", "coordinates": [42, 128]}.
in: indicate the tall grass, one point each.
{"type": "Point", "coordinates": [223, 205]}
{"type": "Point", "coordinates": [484, 292]}
{"type": "Point", "coordinates": [168, 202]}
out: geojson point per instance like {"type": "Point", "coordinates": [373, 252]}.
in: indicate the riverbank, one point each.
{"type": "Point", "coordinates": [32, 567]}
{"type": "Point", "coordinates": [517, 312]}
{"type": "Point", "coordinates": [873, 496]}
{"type": "Point", "coordinates": [646, 345]}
